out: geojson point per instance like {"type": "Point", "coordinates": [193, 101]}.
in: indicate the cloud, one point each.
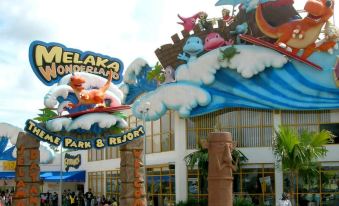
{"type": "Point", "coordinates": [182, 97]}
{"type": "Point", "coordinates": [20, 22]}
{"type": "Point", "coordinates": [121, 29]}
{"type": "Point", "coordinates": [250, 61]}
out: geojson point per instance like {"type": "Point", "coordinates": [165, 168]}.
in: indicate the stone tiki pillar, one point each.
{"type": "Point", "coordinates": [27, 170]}
{"type": "Point", "coordinates": [220, 180]}
{"type": "Point", "coordinates": [132, 174]}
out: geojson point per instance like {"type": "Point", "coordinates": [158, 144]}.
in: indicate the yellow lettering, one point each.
{"type": "Point", "coordinates": [49, 138]}
{"type": "Point", "coordinates": [60, 70]}
{"type": "Point", "coordinates": [49, 72]}
{"type": "Point", "coordinates": [57, 140]}
{"type": "Point", "coordinates": [102, 72]}
{"type": "Point", "coordinates": [115, 76]}
{"type": "Point", "coordinates": [114, 65]}
{"type": "Point", "coordinates": [99, 143]}
{"type": "Point", "coordinates": [83, 68]}
{"type": "Point", "coordinates": [67, 141]}
{"type": "Point", "coordinates": [136, 133]}
{"type": "Point", "coordinates": [130, 136]}
{"type": "Point", "coordinates": [89, 69]}
{"type": "Point", "coordinates": [81, 144]}
{"type": "Point", "coordinates": [141, 129]}
{"type": "Point", "coordinates": [89, 60]}
{"type": "Point", "coordinates": [101, 62]}
{"type": "Point", "coordinates": [36, 131]}
{"type": "Point", "coordinates": [31, 125]}
{"type": "Point", "coordinates": [88, 145]}
{"type": "Point", "coordinates": [76, 59]}
{"type": "Point", "coordinates": [42, 133]}
{"type": "Point", "coordinates": [73, 144]}
{"type": "Point", "coordinates": [68, 68]}
{"type": "Point", "coordinates": [42, 55]}
{"type": "Point", "coordinates": [112, 141]}
{"type": "Point", "coordinates": [76, 68]}
{"type": "Point", "coordinates": [67, 57]}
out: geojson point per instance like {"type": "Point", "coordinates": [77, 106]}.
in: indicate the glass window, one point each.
{"type": "Point", "coordinates": [254, 182]}
{"type": "Point", "coordinates": [112, 152]}
{"type": "Point", "coordinates": [159, 134]}
{"type": "Point", "coordinates": [95, 182]}
{"type": "Point", "coordinates": [334, 128]}
{"type": "Point", "coordinates": [160, 185]}
{"type": "Point", "coordinates": [312, 121]}
{"type": "Point", "coordinates": [249, 127]}
{"type": "Point", "coordinates": [95, 154]}
{"type": "Point", "coordinates": [113, 184]}
{"type": "Point", "coordinates": [320, 189]}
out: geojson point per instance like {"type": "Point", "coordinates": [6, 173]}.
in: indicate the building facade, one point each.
{"type": "Point", "coordinates": [171, 138]}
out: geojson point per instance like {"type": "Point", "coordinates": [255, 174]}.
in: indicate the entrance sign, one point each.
{"type": "Point", "coordinates": [72, 161]}
{"type": "Point", "coordinates": [42, 134]}
{"type": "Point", "coordinates": [51, 61]}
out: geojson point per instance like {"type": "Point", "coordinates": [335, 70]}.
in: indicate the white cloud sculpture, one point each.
{"type": "Point", "coordinates": [250, 61]}
{"type": "Point", "coordinates": [85, 122]}
{"type": "Point", "coordinates": [181, 96]}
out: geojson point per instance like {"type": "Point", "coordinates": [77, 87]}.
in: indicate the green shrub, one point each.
{"type": "Point", "coordinates": [242, 202]}
{"type": "Point", "coordinates": [193, 202]}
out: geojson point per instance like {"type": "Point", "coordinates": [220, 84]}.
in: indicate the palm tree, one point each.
{"type": "Point", "coordinates": [298, 153]}
{"type": "Point", "coordinates": [200, 157]}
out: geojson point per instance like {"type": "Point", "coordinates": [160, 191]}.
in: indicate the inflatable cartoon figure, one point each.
{"type": "Point", "coordinates": [301, 33]}
{"type": "Point", "coordinates": [228, 19]}
{"type": "Point", "coordinates": [192, 47]}
{"type": "Point", "coordinates": [214, 40]}
{"type": "Point", "coordinates": [203, 23]}
{"type": "Point", "coordinates": [189, 22]}
{"type": "Point", "coordinates": [93, 96]}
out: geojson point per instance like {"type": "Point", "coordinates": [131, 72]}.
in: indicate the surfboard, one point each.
{"type": "Point", "coordinates": [261, 42]}
{"type": "Point", "coordinates": [96, 110]}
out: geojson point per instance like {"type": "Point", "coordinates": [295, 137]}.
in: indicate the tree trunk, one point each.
{"type": "Point", "coordinates": [132, 173]}
{"type": "Point", "coordinates": [292, 185]}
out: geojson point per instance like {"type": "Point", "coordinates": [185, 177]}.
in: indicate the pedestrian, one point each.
{"type": "Point", "coordinates": [89, 197]}
{"type": "Point", "coordinates": [72, 199]}
{"type": "Point", "coordinates": [284, 200]}
{"type": "Point", "coordinates": [55, 199]}
{"type": "Point", "coordinates": [114, 202]}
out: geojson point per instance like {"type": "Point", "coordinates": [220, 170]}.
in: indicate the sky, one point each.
{"type": "Point", "coordinates": [122, 29]}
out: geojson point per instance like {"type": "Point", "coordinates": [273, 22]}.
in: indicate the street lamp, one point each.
{"type": "Point", "coordinates": [144, 111]}
{"type": "Point", "coordinates": [60, 183]}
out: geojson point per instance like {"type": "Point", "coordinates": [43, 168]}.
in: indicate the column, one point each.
{"type": "Point", "coordinates": [278, 175]}
{"type": "Point", "coordinates": [220, 179]}
{"type": "Point", "coordinates": [180, 152]}
{"type": "Point", "coordinates": [27, 170]}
